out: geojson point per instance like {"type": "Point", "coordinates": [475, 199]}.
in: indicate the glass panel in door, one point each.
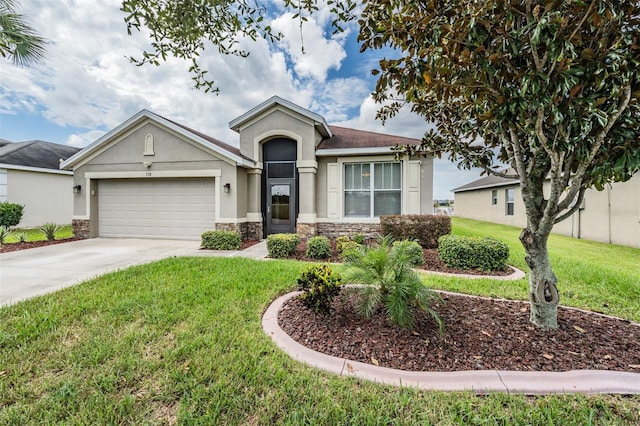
{"type": "Point", "coordinates": [280, 204]}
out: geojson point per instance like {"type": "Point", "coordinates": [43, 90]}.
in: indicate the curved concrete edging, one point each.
{"type": "Point", "coordinates": [479, 381]}
{"type": "Point", "coordinates": [516, 275]}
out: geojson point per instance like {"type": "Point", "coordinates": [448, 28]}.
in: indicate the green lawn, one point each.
{"type": "Point", "coordinates": [180, 341]}
{"type": "Point", "coordinates": [35, 234]}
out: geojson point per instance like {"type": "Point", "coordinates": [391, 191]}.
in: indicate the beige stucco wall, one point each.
{"type": "Point", "coordinates": [172, 152]}
{"type": "Point", "coordinates": [47, 197]}
{"type": "Point", "coordinates": [611, 215]}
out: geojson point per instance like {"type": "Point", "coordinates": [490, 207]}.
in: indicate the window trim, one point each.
{"type": "Point", "coordinates": [494, 197]}
{"type": "Point", "coordinates": [371, 190]}
{"type": "Point", "coordinates": [512, 202]}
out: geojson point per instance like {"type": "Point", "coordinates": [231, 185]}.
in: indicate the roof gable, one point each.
{"type": "Point", "coordinates": [221, 148]}
{"type": "Point", "coordinates": [345, 138]}
{"type": "Point", "coordinates": [319, 122]}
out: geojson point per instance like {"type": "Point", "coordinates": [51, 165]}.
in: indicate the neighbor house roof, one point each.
{"type": "Point", "coordinates": [227, 151]}
{"type": "Point", "coordinates": [490, 181]}
{"type": "Point", "coordinates": [34, 154]}
{"type": "Point", "coordinates": [344, 140]}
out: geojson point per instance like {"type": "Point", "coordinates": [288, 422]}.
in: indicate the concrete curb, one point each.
{"type": "Point", "coordinates": [516, 275]}
{"type": "Point", "coordinates": [479, 381]}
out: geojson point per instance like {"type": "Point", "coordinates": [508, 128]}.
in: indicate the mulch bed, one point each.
{"type": "Point", "coordinates": [479, 334]}
{"type": "Point", "coordinates": [9, 247]}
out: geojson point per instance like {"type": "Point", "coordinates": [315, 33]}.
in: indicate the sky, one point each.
{"type": "Point", "coordinates": [86, 85]}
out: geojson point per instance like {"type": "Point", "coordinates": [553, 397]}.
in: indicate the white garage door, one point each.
{"type": "Point", "coordinates": [156, 208]}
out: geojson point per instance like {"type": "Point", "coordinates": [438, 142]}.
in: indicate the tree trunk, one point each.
{"type": "Point", "coordinates": [543, 292]}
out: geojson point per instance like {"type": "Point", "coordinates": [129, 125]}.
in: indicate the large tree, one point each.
{"type": "Point", "coordinates": [18, 41]}
{"type": "Point", "coordinates": [548, 87]}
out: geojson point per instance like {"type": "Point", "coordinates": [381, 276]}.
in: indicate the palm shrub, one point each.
{"type": "Point", "coordinates": [49, 230]}
{"type": "Point", "coordinates": [318, 248]}
{"type": "Point", "coordinates": [22, 237]}
{"type": "Point", "coordinates": [388, 279]}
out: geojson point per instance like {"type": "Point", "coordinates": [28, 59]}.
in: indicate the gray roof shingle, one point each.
{"type": "Point", "coordinates": [344, 138]}
{"type": "Point", "coordinates": [40, 154]}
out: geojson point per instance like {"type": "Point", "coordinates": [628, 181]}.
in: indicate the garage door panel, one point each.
{"type": "Point", "coordinates": [156, 208]}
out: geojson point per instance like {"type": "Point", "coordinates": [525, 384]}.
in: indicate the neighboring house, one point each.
{"type": "Point", "coordinates": [30, 175]}
{"type": "Point", "coordinates": [611, 215]}
{"type": "Point", "coordinates": [153, 177]}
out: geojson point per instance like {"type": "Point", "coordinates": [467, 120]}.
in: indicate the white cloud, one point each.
{"type": "Point", "coordinates": [322, 54]}
{"type": "Point", "coordinates": [84, 139]}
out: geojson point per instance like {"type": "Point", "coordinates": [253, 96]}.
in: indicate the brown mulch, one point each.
{"type": "Point", "coordinates": [9, 247]}
{"type": "Point", "coordinates": [479, 334]}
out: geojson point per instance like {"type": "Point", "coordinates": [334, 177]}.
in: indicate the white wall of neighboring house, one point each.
{"type": "Point", "coordinates": [47, 195]}
{"type": "Point", "coordinates": [610, 216]}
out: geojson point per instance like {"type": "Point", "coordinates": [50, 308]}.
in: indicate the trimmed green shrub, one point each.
{"type": "Point", "coordinates": [340, 241]}
{"type": "Point", "coordinates": [426, 229]}
{"type": "Point", "coordinates": [410, 250]}
{"type": "Point", "coordinates": [49, 230]}
{"type": "Point", "coordinates": [484, 253]}
{"type": "Point", "coordinates": [221, 240]}
{"type": "Point", "coordinates": [4, 233]}
{"type": "Point", "coordinates": [10, 214]}
{"type": "Point", "coordinates": [349, 247]}
{"type": "Point", "coordinates": [282, 245]}
{"type": "Point", "coordinates": [359, 238]}
{"type": "Point", "coordinates": [318, 248]}
{"type": "Point", "coordinates": [320, 285]}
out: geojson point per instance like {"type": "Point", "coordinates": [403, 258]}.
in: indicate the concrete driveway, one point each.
{"type": "Point", "coordinates": [28, 273]}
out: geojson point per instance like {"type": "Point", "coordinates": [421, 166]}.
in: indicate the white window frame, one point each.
{"type": "Point", "coordinates": [512, 202]}
{"type": "Point", "coordinates": [372, 190]}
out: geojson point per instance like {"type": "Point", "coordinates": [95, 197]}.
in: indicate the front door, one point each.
{"type": "Point", "coordinates": [281, 203]}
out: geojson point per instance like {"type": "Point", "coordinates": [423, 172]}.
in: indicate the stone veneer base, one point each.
{"type": "Point", "coordinates": [81, 228]}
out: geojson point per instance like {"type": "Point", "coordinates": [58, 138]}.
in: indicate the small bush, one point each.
{"type": "Point", "coordinates": [359, 238]}
{"type": "Point", "coordinates": [282, 245]}
{"type": "Point", "coordinates": [349, 247]}
{"type": "Point", "coordinates": [318, 248]}
{"type": "Point", "coordinates": [221, 240]}
{"type": "Point", "coordinates": [340, 241]}
{"type": "Point", "coordinates": [487, 254]}
{"type": "Point", "coordinates": [4, 233]}
{"type": "Point", "coordinates": [426, 229]}
{"type": "Point", "coordinates": [22, 237]}
{"type": "Point", "coordinates": [49, 230]}
{"type": "Point", "coordinates": [10, 214]}
{"type": "Point", "coordinates": [411, 250]}
{"type": "Point", "coordinates": [320, 285]}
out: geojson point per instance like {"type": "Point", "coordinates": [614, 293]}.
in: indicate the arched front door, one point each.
{"type": "Point", "coordinates": [280, 186]}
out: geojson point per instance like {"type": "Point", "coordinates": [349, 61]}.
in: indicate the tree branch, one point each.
{"type": "Point", "coordinates": [574, 208]}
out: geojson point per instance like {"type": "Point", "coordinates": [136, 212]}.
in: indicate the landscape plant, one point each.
{"type": "Point", "coordinates": [10, 214]}
{"type": "Point", "coordinates": [318, 248]}
{"type": "Point", "coordinates": [220, 240]}
{"type": "Point", "coordinates": [280, 246]}
{"type": "Point", "coordinates": [340, 242]}
{"type": "Point", "coordinates": [414, 251]}
{"type": "Point", "coordinates": [4, 233]}
{"type": "Point", "coordinates": [484, 253]}
{"type": "Point", "coordinates": [387, 279]}
{"type": "Point", "coordinates": [49, 230]}
{"type": "Point", "coordinates": [320, 285]}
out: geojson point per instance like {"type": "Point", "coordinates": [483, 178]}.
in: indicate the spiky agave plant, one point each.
{"type": "Point", "coordinates": [386, 275]}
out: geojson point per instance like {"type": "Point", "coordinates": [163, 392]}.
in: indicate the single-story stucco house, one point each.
{"type": "Point", "coordinates": [30, 175]}
{"type": "Point", "coordinates": [611, 215]}
{"type": "Point", "coordinates": [152, 177]}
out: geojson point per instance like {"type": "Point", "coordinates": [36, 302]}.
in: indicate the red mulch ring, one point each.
{"type": "Point", "coordinates": [479, 334]}
{"type": "Point", "coordinates": [247, 244]}
{"type": "Point", "coordinates": [9, 247]}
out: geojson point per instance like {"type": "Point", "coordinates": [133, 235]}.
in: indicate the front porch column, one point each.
{"type": "Point", "coordinates": [254, 209]}
{"type": "Point", "coordinates": [306, 224]}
